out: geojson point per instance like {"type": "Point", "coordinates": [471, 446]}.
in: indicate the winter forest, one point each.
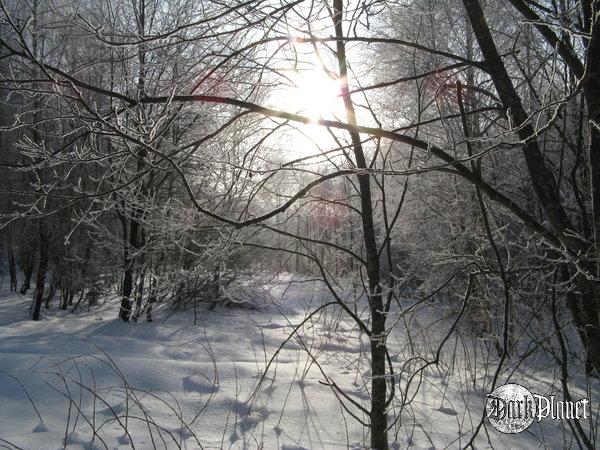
{"type": "Point", "coordinates": [298, 224]}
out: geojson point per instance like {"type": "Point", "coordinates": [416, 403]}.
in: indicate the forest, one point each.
{"type": "Point", "coordinates": [299, 224]}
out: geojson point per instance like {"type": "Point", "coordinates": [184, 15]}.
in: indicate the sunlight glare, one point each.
{"type": "Point", "coordinates": [316, 94]}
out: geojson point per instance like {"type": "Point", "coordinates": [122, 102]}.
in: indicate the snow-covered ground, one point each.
{"type": "Point", "coordinates": [99, 383]}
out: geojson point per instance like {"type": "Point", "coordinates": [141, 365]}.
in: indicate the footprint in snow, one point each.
{"type": "Point", "coordinates": [75, 438]}
{"type": "Point", "coordinates": [199, 383]}
{"type": "Point", "coordinates": [301, 383]}
{"type": "Point", "coordinates": [447, 411]}
{"type": "Point", "coordinates": [124, 440]}
{"type": "Point", "coordinates": [234, 437]}
{"type": "Point", "coordinates": [359, 394]}
{"type": "Point", "coordinates": [184, 432]}
{"type": "Point", "coordinates": [249, 422]}
{"type": "Point", "coordinates": [114, 410]}
{"type": "Point", "coordinates": [269, 390]}
{"type": "Point", "coordinates": [40, 428]}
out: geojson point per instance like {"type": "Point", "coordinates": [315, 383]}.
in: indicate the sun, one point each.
{"type": "Point", "coordinates": [312, 92]}
{"type": "Point", "coordinates": [315, 94]}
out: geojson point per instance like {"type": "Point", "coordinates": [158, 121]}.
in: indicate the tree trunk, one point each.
{"type": "Point", "coordinates": [50, 294]}
{"type": "Point", "coordinates": [591, 303]}
{"type": "Point", "coordinates": [27, 274]}
{"type": "Point", "coordinates": [41, 274]}
{"type": "Point", "coordinates": [79, 300]}
{"type": "Point", "coordinates": [125, 311]}
{"type": "Point", "coordinates": [139, 295]}
{"type": "Point", "coordinates": [151, 298]}
{"type": "Point", "coordinates": [63, 299]}
{"type": "Point", "coordinates": [136, 214]}
{"type": "Point", "coordinates": [378, 416]}
{"type": "Point", "coordinates": [584, 309]}
{"type": "Point", "coordinates": [592, 96]}
{"type": "Point", "coordinates": [12, 269]}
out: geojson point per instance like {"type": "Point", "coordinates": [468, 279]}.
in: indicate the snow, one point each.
{"type": "Point", "coordinates": [170, 384]}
